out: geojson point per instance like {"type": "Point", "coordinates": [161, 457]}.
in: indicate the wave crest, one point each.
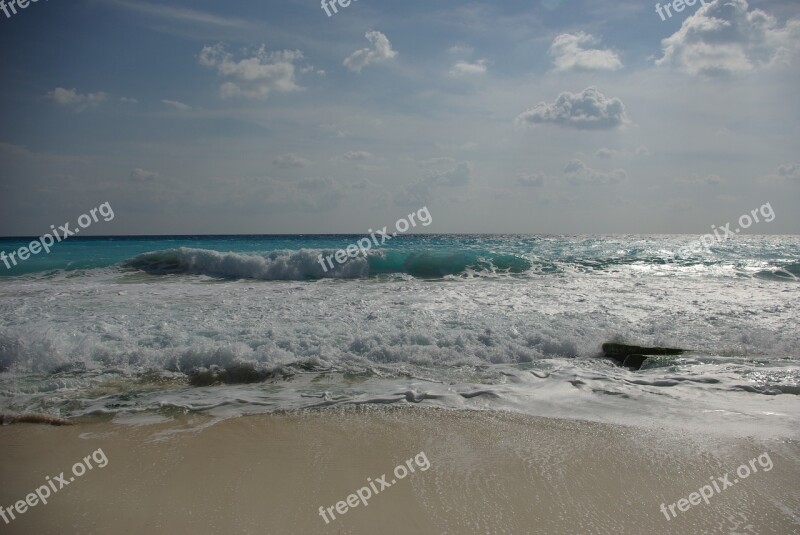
{"type": "Point", "coordinates": [277, 265]}
{"type": "Point", "coordinates": [305, 264]}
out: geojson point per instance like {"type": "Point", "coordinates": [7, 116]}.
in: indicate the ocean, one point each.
{"type": "Point", "coordinates": [139, 328]}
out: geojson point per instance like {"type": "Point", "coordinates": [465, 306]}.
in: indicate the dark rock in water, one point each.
{"type": "Point", "coordinates": [33, 418]}
{"type": "Point", "coordinates": [244, 373]}
{"type": "Point", "coordinates": [620, 351]}
{"type": "Point", "coordinates": [236, 373]}
{"type": "Point", "coordinates": [205, 376]}
{"type": "Point", "coordinates": [70, 367]}
{"type": "Point", "coordinates": [634, 361]}
{"type": "Point", "coordinates": [634, 356]}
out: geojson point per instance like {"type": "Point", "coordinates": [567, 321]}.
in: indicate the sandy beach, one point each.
{"type": "Point", "coordinates": [488, 472]}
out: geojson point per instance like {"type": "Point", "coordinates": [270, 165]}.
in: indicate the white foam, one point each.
{"type": "Point", "coordinates": [466, 333]}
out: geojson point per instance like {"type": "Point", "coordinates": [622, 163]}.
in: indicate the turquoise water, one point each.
{"type": "Point", "coordinates": [429, 256]}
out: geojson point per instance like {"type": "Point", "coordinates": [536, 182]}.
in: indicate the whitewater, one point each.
{"type": "Point", "coordinates": [141, 327]}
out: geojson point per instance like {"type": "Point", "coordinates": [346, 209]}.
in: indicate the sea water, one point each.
{"type": "Point", "coordinates": [229, 325]}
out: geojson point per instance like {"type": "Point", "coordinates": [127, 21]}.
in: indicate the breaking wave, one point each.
{"type": "Point", "coordinates": [309, 264]}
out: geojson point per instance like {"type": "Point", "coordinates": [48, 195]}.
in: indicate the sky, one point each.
{"type": "Point", "coordinates": [535, 116]}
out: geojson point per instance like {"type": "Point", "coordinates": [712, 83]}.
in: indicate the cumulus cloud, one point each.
{"type": "Point", "coordinates": [306, 69]}
{"type": "Point", "coordinates": [290, 160]}
{"type": "Point", "coordinates": [465, 68]}
{"type": "Point", "coordinates": [142, 175]}
{"type": "Point", "coordinates": [380, 51]}
{"type": "Point", "coordinates": [255, 76]}
{"type": "Point", "coordinates": [724, 38]}
{"type": "Point", "coordinates": [180, 106]}
{"type": "Point", "coordinates": [588, 110]}
{"type": "Point", "coordinates": [569, 52]}
{"type": "Point", "coordinates": [578, 173]}
{"type": "Point", "coordinates": [70, 97]}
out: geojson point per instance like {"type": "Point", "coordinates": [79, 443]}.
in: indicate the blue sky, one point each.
{"type": "Point", "coordinates": [270, 117]}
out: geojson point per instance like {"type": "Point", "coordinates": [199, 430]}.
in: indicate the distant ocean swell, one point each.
{"type": "Point", "coordinates": [305, 265]}
{"type": "Point", "coordinates": [426, 264]}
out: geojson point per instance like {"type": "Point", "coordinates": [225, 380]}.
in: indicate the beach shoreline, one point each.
{"type": "Point", "coordinates": [489, 471]}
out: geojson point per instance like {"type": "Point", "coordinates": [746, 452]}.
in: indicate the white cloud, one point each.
{"type": "Point", "coordinates": [724, 38]}
{"type": "Point", "coordinates": [142, 175]}
{"type": "Point", "coordinates": [180, 106]}
{"type": "Point", "coordinates": [310, 69]}
{"type": "Point", "coordinates": [380, 51]}
{"type": "Point", "coordinates": [290, 160]}
{"type": "Point", "coordinates": [465, 68]}
{"type": "Point", "coordinates": [127, 100]}
{"type": "Point", "coordinates": [588, 110]}
{"type": "Point", "coordinates": [256, 76]}
{"type": "Point", "coordinates": [569, 52]}
{"type": "Point", "coordinates": [70, 97]}
{"type": "Point", "coordinates": [578, 173]}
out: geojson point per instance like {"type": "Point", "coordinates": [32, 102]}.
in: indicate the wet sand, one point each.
{"type": "Point", "coordinates": [489, 472]}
